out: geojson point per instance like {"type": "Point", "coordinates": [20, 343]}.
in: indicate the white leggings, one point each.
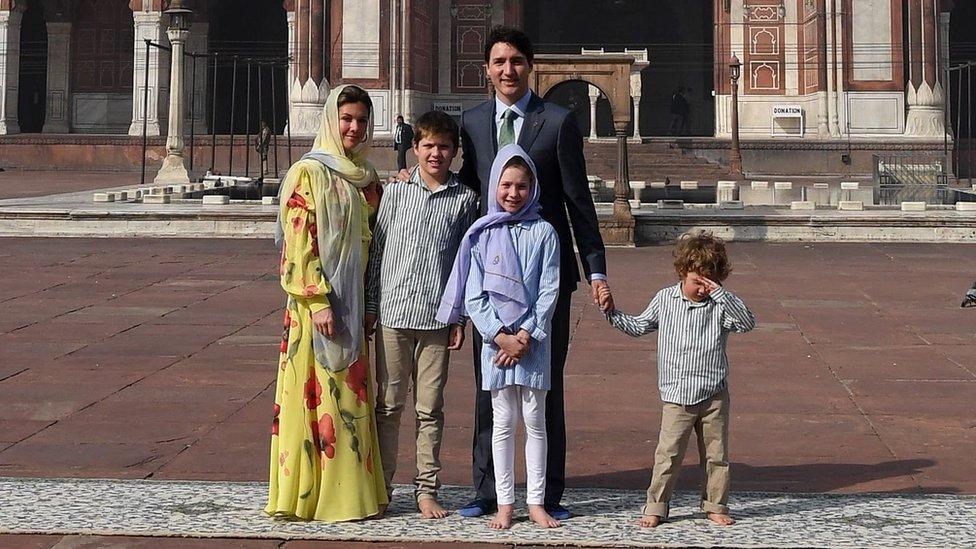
{"type": "Point", "coordinates": [507, 405]}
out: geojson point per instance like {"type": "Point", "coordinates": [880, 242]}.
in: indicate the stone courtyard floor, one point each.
{"type": "Point", "coordinates": [135, 361]}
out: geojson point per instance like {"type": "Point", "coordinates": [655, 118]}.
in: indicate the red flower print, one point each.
{"type": "Point", "coordinates": [313, 392]}
{"type": "Point", "coordinates": [323, 435]}
{"type": "Point", "coordinates": [297, 223]}
{"type": "Point", "coordinates": [311, 290]}
{"type": "Point", "coordinates": [315, 247]}
{"type": "Point", "coordinates": [274, 422]}
{"type": "Point", "coordinates": [297, 201]}
{"type": "Point", "coordinates": [356, 379]}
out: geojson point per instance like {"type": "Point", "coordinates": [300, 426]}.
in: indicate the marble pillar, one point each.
{"type": "Point", "coordinates": [57, 118]}
{"type": "Point", "coordinates": [9, 69]}
{"type": "Point", "coordinates": [594, 93]}
{"type": "Point", "coordinates": [173, 170]}
{"type": "Point", "coordinates": [149, 26]}
{"type": "Point", "coordinates": [309, 87]}
{"type": "Point", "coordinates": [924, 92]}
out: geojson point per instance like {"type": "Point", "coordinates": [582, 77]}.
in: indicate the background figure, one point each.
{"type": "Point", "coordinates": [680, 109]}
{"type": "Point", "coordinates": [402, 141]}
{"type": "Point", "coordinates": [969, 300]}
{"type": "Point", "coordinates": [262, 143]}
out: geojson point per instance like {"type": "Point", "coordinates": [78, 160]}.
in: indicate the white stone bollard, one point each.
{"type": "Point", "coordinates": [216, 200]}
{"type": "Point", "coordinates": [103, 197]}
{"type": "Point", "coordinates": [802, 205]}
{"type": "Point", "coordinates": [913, 206]}
{"type": "Point", "coordinates": [850, 205]}
{"type": "Point", "coordinates": [269, 200]}
{"type": "Point", "coordinates": [966, 206]}
{"type": "Point", "coordinates": [156, 199]}
{"type": "Point", "coordinates": [689, 185]}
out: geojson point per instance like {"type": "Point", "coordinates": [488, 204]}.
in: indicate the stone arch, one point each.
{"type": "Point", "coordinates": [574, 95]}
{"type": "Point", "coordinates": [610, 73]}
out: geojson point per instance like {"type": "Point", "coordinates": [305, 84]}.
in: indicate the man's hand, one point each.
{"type": "Point", "coordinates": [456, 338]}
{"type": "Point", "coordinates": [324, 322]}
{"type": "Point", "coordinates": [602, 296]}
{"type": "Point", "coordinates": [369, 325]}
{"type": "Point", "coordinates": [510, 345]}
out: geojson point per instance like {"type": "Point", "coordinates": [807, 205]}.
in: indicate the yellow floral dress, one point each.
{"type": "Point", "coordinates": [325, 461]}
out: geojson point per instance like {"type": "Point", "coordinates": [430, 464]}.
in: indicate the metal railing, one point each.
{"type": "Point", "coordinates": [911, 177]}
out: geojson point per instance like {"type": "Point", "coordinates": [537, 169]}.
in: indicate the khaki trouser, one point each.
{"type": "Point", "coordinates": [417, 357]}
{"type": "Point", "coordinates": [710, 421]}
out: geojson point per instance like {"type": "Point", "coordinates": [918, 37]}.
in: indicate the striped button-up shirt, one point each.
{"type": "Point", "coordinates": [691, 361]}
{"type": "Point", "coordinates": [415, 240]}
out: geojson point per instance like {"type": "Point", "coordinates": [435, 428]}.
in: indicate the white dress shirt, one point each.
{"type": "Point", "coordinates": [519, 107]}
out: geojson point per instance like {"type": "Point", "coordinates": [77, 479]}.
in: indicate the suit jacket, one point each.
{"type": "Point", "coordinates": [552, 138]}
{"type": "Point", "coordinates": [406, 137]}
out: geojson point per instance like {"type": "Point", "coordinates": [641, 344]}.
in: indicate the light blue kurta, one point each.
{"type": "Point", "coordinates": [537, 246]}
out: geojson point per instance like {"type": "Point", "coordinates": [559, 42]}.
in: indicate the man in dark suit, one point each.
{"type": "Point", "coordinates": [402, 141]}
{"type": "Point", "coordinates": [552, 138]}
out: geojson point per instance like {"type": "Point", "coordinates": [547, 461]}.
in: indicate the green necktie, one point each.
{"type": "Point", "coordinates": [507, 135]}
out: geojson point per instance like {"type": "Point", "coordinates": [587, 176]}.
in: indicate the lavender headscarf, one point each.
{"type": "Point", "coordinates": [503, 272]}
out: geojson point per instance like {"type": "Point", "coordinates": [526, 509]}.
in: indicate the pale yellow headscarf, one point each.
{"type": "Point", "coordinates": [336, 178]}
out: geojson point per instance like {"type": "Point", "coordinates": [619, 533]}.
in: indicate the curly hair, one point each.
{"type": "Point", "coordinates": [702, 253]}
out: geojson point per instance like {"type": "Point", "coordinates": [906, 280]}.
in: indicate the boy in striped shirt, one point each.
{"type": "Point", "coordinates": [417, 234]}
{"type": "Point", "coordinates": [693, 319]}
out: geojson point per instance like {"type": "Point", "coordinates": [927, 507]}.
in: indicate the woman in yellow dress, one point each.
{"type": "Point", "coordinates": [325, 461]}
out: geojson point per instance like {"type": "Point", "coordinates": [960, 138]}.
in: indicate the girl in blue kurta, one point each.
{"type": "Point", "coordinates": [506, 279]}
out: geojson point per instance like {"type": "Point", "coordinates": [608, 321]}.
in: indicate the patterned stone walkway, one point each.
{"type": "Point", "coordinates": [606, 517]}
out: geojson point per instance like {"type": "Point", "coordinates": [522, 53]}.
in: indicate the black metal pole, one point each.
{"type": "Point", "coordinates": [969, 123]}
{"type": "Point", "coordinates": [193, 96]}
{"type": "Point", "coordinates": [213, 118]}
{"type": "Point", "coordinates": [274, 120]}
{"type": "Point", "coordinates": [145, 113]}
{"type": "Point", "coordinates": [288, 120]}
{"type": "Point", "coordinates": [247, 140]}
{"type": "Point", "coordinates": [233, 117]}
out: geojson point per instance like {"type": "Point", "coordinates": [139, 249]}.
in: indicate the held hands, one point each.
{"type": "Point", "coordinates": [602, 296]}
{"type": "Point", "coordinates": [512, 347]}
{"type": "Point", "coordinates": [324, 322]}
{"type": "Point", "coordinates": [456, 338]}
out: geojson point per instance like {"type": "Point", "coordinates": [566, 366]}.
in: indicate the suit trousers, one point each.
{"type": "Point", "coordinates": [709, 420]}
{"type": "Point", "coordinates": [401, 157]}
{"type": "Point", "coordinates": [483, 474]}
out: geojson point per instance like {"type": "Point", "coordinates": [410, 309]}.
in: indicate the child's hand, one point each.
{"type": "Point", "coordinates": [511, 345]}
{"type": "Point", "coordinates": [605, 299]}
{"type": "Point", "coordinates": [456, 338]}
{"type": "Point", "coordinates": [709, 285]}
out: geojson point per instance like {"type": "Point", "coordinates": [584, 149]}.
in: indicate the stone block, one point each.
{"type": "Point", "coordinates": [609, 183]}
{"type": "Point", "coordinates": [659, 184]}
{"type": "Point", "coordinates": [671, 204]}
{"type": "Point", "coordinates": [725, 191]}
{"type": "Point", "coordinates": [135, 193]}
{"type": "Point", "coordinates": [103, 197]}
{"type": "Point", "coordinates": [759, 185]}
{"type": "Point", "coordinates": [269, 200]}
{"type": "Point", "coordinates": [966, 206]}
{"type": "Point", "coordinates": [913, 206]}
{"type": "Point", "coordinates": [689, 185]}
{"type": "Point", "coordinates": [216, 200]}
{"type": "Point", "coordinates": [156, 199]}
{"type": "Point", "coordinates": [731, 205]}
{"type": "Point", "coordinates": [802, 205]}
{"type": "Point", "coordinates": [638, 185]}
{"type": "Point", "coordinates": [122, 195]}
{"type": "Point", "coordinates": [783, 185]}
{"type": "Point", "coordinates": [850, 205]}
{"type": "Point", "coordinates": [635, 204]}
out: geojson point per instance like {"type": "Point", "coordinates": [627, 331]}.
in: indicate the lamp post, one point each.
{"type": "Point", "coordinates": [735, 158]}
{"type": "Point", "coordinates": [173, 170]}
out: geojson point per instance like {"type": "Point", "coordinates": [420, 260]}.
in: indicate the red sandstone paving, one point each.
{"type": "Point", "coordinates": [139, 358]}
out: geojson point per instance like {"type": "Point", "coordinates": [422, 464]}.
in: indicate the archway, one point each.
{"type": "Point", "coordinates": [102, 36]}
{"type": "Point", "coordinates": [677, 35]}
{"type": "Point", "coordinates": [256, 29]}
{"type": "Point", "coordinates": [33, 69]}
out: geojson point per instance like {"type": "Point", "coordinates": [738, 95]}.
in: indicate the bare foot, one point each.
{"type": "Point", "coordinates": [503, 518]}
{"type": "Point", "coordinates": [649, 521]}
{"type": "Point", "coordinates": [539, 516]}
{"type": "Point", "coordinates": [721, 519]}
{"type": "Point", "coordinates": [431, 509]}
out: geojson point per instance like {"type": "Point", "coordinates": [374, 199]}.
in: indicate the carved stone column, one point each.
{"type": "Point", "coordinates": [925, 91]}
{"type": "Point", "coordinates": [594, 93]}
{"type": "Point", "coordinates": [149, 26]}
{"type": "Point", "coordinates": [11, 13]}
{"type": "Point", "coordinates": [309, 87]}
{"type": "Point", "coordinates": [173, 169]}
